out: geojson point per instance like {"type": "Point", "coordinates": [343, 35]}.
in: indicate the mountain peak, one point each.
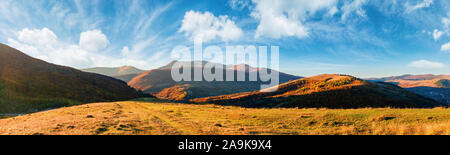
{"type": "Point", "coordinates": [160, 83]}
{"type": "Point", "coordinates": [114, 71]}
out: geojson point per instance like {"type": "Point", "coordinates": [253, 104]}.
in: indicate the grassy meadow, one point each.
{"type": "Point", "coordinates": [153, 117]}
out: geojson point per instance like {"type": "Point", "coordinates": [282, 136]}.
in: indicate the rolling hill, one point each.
{"type": "Point", "coordinates": [412, 77]}
{"type": "Point", "coordinates": [126, 78]}
{"type": "Point", "coordinates": [114, 71]}
{"type": "Point", "coordinates": [124, 73]}
{"type": "Point", "coordinates": [28, 84]}
{"type": "Point", "coordinates": [410, 81]}
{"type": "Point", "coordinates": [159, 83]}
{"type": "Point", "coordinates": [327, 91]}
{"type": "Point", "coordinates": [432, 86]}
{"type": "Point", "coordinates": [443, 83]}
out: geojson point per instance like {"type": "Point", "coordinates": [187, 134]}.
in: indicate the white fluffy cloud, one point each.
{"type": "Point", "coordinates": [284, 18]}
{"type": "Point", "coordinates": [207, 27]}
{"type": "Point", "coordinates": [45, 45]}
{"type": "Point", "coordinates": [437, 34]}
{"type": "Point", "coordinates": [425, 64]}
{"type": "Point", "coordinates": [37, 37]}
{"type": "Point", "coordinates": [278, 18]}
{"type": "Point", "coordinates": [446, 47]}
{"type": "Point", "coordinates": [424, 4]}
{"type": "Point", "coordinates": [93, 40]}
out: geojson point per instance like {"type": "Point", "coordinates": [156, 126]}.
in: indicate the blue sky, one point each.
{"type": "Point", "coordinates": [364, 38]}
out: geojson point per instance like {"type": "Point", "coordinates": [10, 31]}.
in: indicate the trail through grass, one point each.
{"type": "Point", "coordinates": [151, 118]}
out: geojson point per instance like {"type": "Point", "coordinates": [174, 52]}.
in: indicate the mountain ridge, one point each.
{"type": "Point", "coordinates": [114, 71]}
{"type": "Point", "coordinates": [429, 85]}
{"type": "Point", "coordinates": [28, 84]}
{"type": "Point", "coordinates": [411, 77]}
{"type": "Point", "coordinates": [326, 91]}
{"type": "Point", "coordinates": [159, 82]}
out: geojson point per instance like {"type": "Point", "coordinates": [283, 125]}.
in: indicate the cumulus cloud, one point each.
{"type": "Point", "coordinates": [93, 40]}
{"type": "Point", "coordinates": [208, 27]}
{"type": "Point", "coordinates": [37, 37]}
{"type": "Point", "coordinates": [446, 47]}
{"type": "Point", "coordinates": [424, 4]}
{"type": "Point", "coordinates": [284, 18]}
{"type": "Point", "coordinates": [45, 45]}
{"type": "Point", "coordinates": [437, 34]}
{"type": "Point", "coordinates": [426, 64]}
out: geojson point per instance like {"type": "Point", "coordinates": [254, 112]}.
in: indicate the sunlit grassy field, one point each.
{"type": "Point", "coordinates": [154, 117]}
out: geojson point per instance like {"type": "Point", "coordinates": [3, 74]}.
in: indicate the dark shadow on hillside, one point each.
{"type": "Point", "coordinates": [441, 95]}
{"type": "Point", "coordinates": [354, 97]}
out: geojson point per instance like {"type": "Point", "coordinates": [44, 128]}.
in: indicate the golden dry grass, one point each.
{"type": "Point", "coordinates": [416, 83]}
{"type": "Point", "coordinates": [151, 118]}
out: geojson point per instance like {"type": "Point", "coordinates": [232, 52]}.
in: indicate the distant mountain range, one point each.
{"type": "Point", "coordinates": [126, 78]}
{"type": "Point", "coordinates": [327, 91]}
{"type": "Point", "coordinates": [412, 77]}
{"type": "Point", "coordinates": [434, 86]}
{"type": "Point", "coordinates": [160, 83]}
{"type": "Point", "coordinates": [28, 84]}
{"type": "Point", "coordinates": [124, 73]}
{"type": "Point", "coordinates": [114, 71]}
